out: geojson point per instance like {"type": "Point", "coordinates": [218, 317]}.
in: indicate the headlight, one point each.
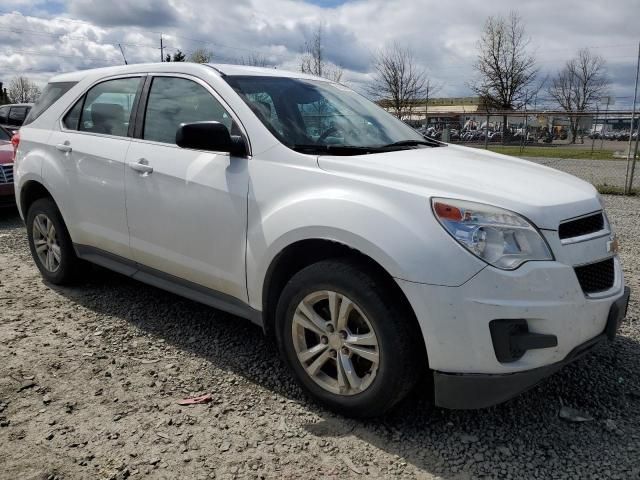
{"type": "Point", "coordinates": [499, 237]}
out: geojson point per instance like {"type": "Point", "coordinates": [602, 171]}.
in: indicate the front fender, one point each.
{"type": "Point", "coordinates": [394, 228]}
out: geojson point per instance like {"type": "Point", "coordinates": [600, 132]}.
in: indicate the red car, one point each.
{"type": "Point", "coordinates": [7, 196]}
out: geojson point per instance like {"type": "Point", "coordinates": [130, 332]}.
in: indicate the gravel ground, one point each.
{"type": "Point", "coordinates": [90, 377]}
{"type": "Point", "coordinates": [598, 172]}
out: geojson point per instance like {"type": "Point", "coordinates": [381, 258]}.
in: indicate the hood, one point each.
{"type": "Point", "coordinates": [542, 194]}
{"type": "Point", "coordinates": [6, 153]}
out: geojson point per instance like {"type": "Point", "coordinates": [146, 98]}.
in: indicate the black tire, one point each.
{"type": "Point", "coordinates": [401, 356]}
{"type": "Point", "coordinates": [69, 266]}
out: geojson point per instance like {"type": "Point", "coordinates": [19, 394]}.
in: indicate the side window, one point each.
{"type": "Point", "coordinates": [173, 101]}
{"type": "Point", "coordinates": [72, 118]}
{"type": "Point", "coordinates": [4, 115]}
{"type": "Point", "coordinates": [16, 115]}
{"type": "Point", "coordinates": [107, 107]}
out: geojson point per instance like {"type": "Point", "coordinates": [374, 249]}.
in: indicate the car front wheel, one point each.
{"type": "Point", "coordinates": [347, 340]}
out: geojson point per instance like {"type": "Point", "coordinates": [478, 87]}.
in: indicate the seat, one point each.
{"type": "Point", "coordinates": [108, 118]}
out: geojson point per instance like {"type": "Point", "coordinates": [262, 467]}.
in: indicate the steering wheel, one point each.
{"type": "Point", "coordinates": [326, 133]}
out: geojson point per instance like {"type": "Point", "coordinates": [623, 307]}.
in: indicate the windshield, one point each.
{"type": "Point", "coordinates": [320, 116]}
{"type": "Point", "coordinates": [5, 136]}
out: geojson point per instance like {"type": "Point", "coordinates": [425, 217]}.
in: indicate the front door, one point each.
{"type": "Point", "coordinates": [186, 209]}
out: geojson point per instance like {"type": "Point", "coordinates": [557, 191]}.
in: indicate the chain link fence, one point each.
{"type": "Point", "coordinates": [593, 146]}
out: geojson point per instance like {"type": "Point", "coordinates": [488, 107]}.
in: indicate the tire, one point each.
{"type": "Point", "coordinates": [66, 266]}
{"type": "Point", "coordinates": [381, 375]}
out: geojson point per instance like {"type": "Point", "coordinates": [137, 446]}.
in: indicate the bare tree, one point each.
{"type": "Point", "coordinates": [313, 61]}
{"type": "Point", "coordinates": [22, 90]}
{"type": "Point", "coordinates": [579, 85]}
{"type": "Point", "coordinates": [254, 60]}
{"type": "Point", "coordinates": [507, 72]}
{"type": "Point", "coordinates": [201, 55]}
{"type": "Point", "coordinates": [398, 81]}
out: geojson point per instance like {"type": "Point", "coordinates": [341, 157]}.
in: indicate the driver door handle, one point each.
{"type": "Point", "coordinates": [64, 147]}
{"type": "Point", "coordinates": [142, 166]}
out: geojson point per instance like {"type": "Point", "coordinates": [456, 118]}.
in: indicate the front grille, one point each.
{"type": "Point", "coordinates": [6, 174]}
{"type": "Point", "coordinates": [596, 277]}
{"type": "Point", "coordinates": [581, 226]}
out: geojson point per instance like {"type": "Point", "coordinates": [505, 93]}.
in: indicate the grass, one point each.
{"type": "Point", "coordinates": [614, 190]}
{"type": "Point", "coordinates": [554, 152]}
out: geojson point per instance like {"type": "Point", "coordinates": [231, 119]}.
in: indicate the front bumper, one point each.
{"type": "Point", "coordinates": [455, 321]}
{"type": "Point", "coordinates": [470, 391]}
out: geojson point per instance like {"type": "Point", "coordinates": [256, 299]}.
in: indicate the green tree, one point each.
{"type": "Point", "coordinates": [177, 57]}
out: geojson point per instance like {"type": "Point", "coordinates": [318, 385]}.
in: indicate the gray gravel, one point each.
{"type": "Point", "coordinates": [90, 377]}
{"type": "Point", "coordinates": [598, 172]}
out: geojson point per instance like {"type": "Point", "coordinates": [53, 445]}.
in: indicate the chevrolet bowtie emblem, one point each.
{"type": "Point", "coordinates": [612, 245]}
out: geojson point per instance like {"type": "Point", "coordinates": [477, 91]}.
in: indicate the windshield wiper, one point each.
{"type": "Point", "coordinates": [412, 143]}
{"type": "Point", "coordinates": [335, 149]}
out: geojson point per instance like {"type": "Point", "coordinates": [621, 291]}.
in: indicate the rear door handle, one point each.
{"type": "Point", "coordinates": [142, 166]}
{"type": "Point", "coordinates": [64, 147]}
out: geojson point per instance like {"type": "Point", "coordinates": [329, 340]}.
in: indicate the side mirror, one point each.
{"type": "Point", "coordinates": [210, 136]}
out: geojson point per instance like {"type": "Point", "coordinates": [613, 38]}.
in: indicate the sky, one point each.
{"type": "Point", "coordinates": [39, 38]}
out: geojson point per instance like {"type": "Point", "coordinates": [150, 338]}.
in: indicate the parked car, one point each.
{"type": "Point", "coordinates": [12, 116]}
{"type": "Point", "coordinates": [7, 196]}
{"type": "Point", "coordinates": [373, 259]}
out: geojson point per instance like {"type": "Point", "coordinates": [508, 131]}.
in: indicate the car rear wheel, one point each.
{"type": "Point", "coordinates": [348, 342]}
{"type": "Point", "coordinates": [50, 243]}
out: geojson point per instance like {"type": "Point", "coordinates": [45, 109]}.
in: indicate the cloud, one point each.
{"type": "Point", "coordinates": [143, 13]}
{"type": "Point", "coordinates": [442, 35]}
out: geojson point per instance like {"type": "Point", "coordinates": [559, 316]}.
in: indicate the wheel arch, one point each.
{"type": "Point", "coordinates": [31, 191]}
{"type": "Point", "coordinates": [302, 253]}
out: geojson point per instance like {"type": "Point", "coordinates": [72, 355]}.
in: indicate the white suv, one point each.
{"type": "Point", "coordinates": [372, 254]}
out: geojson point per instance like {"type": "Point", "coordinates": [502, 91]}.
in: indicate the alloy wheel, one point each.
{"type": "Point", "coordinates": [46, 244]}
{"type": "Point", "coordinates": [335, 343]}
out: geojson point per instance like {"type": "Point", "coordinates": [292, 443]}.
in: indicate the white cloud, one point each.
{"type": "Point", "coordinates": [442, 35]}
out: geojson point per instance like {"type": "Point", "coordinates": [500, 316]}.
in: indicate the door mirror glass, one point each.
{"type": "Point", "coordinates": [211, 136]}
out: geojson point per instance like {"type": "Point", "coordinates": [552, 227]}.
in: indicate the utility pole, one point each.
{"type": "Point", "coordinates": [593, 129]}
{"type": "Point", "coordinates": [604, 122]}
{"type": "Point", "coordinates": [161, 50]}
{"type": "Point", "coordinates": [122, 51]}
{"type": "Point", "coordinates": [635, 155]}
{"type": "Point", "coordinates": [629, 179]}
{"type": "Point", "coordinates": [486, 132]}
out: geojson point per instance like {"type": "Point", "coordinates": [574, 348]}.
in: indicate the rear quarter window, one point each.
{"type": "Point", "coordinates": [50, 95]}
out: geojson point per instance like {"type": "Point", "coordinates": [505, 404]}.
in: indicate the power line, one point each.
{"type": "Point", "coordinates": [74, 37]}
{"type": "Point", "coordinates": [54, 55]}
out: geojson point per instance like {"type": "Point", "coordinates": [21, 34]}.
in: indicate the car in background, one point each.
{"type": "Point", "coordinates": [7, 196]}
{"type": "Point", "coordinates": [13, 116]}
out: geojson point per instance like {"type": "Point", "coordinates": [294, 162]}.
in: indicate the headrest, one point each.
{"type": "Point", "coordinates": [107, 112]}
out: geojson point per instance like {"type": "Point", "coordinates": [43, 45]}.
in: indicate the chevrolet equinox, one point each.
{"type": "Point", "coordinates": [373, 255]}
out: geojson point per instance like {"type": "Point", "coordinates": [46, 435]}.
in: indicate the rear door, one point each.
{"type": "Point", "coordinates": [186, 209]}
{"type": "Point", "coordinates": [91, 148]}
